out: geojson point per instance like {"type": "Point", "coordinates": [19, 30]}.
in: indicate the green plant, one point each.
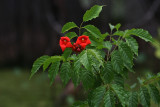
{"type": "Point", "coordinates": [103, 66]}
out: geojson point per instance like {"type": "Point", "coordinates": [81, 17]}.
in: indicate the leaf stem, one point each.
{"type": "Point", "coordinates": [80, 28]}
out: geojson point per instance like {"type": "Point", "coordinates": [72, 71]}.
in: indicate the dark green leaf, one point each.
{"type": "Point", "coordinates": [67, 53]}
{"type": "Point", "coordinates": [80, 104]}
{"type": "Point", "coordinates": [98, 95]}
{"type": "Point", "coordinates": [154, 93]}
{"type": "Point", "coordinates": [107, 44]}
{"type": "Point", "coordinates": [87, 79]}
{"type": "Point", "coordinates": [71, 35]}
{"type": "Point", "coordinates": [109, 99]}
{"type": "Point", "coordinates": [143, 34]}
{"type": "Point", "coordinates": [68, 26]}
{"type": "Point", "coordinates": [126, 53]}
{"type": "Point", "coordinates": [132, 43]}
{"type": "Point", "coordinates": [83, 58]}
{"type": "Point", "coordinates": [133, 99]}
{"type": "Point", "coordinates": [92, 13]}
{"type": "Point", "coordinates": [116, 61]}
{"type": "Point", "coordinates": [107, 73]}
{"type": "Point", "coordinates": [37, 64]}
{"type": "Point", "coordinates": [144, 97]}
{"type": "Point", "coordinates": [53, 71]}
{"type": "Point", "coordinates": [65, 72]}
{"type": "Point", "coordinates": [121, 94]}
{"type": "Point", "coordinates": [47, 63]}
{"type": "Point", "coordinates": [93, 30]}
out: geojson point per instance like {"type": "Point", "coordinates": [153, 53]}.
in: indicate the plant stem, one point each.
{"type": "Point", "coordinates": [80, 28]}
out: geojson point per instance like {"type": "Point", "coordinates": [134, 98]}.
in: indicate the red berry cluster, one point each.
{"type": "Point", "coordinates": [81, 43]}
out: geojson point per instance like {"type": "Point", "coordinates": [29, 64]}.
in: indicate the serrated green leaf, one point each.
{"type": "Point", "coordinates": [154, 93]}
{"type": "Point", "coordinates": [98, 95]}
{"type": "Point", "coordinates": [37, 64]}
{"type": "Point", "coordinates": [57, 58]}
{"type": "Point", "coordinates": [87, 79]}
{"type": "Point", "coordinates": [93, 30]}
{"type": "Point", "coordinates": [121, 94]}
{"type": "Point", "coordinates": [96, 55]}
{"type": "Point", "coordinates": [76, 73]}
{"type": "Point", "coordinates": [47, 63]}
{"type": "Point", "coordinates": [71, 35]}
{"type": "Point", "coordinates": [107, 44]}
{"type": "Point", "coordinates": [83, 58]}
{"type": "Point", "coordinates": [92, 13]}
{"type": "Point", "coordinates": [119, 80]}
{"type": "Point", "coordinates": [107, 73]}
{"type": "Point", "coordinates": [65, 71]}
{"type": "Point", "coordinates": [143, 34]}
{"type": "Point", "coordinates": [132, 43]}
{"type": "Point", "coordinates": [67, 52]}
{"type": "Point", "coordinates": [68, 26]}
{"type": "Point", "coordinates": [133, 99]}
{"type": "Point", "coordinates": [144, 97]}
{"type": "Point", "coordinates": [53, 71]}
{"type": "Point", "coordinates": [116, 61]}
{"type": "Point", "coordinates": [109, 99]}
{"type": "Point", "coordinates": [126, 53]}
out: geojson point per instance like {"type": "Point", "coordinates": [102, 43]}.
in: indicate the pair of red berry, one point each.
{"type": "Point", "coordinates": [81, 43]}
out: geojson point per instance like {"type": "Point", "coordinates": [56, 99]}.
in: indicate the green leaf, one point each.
{"type": "Point", "coordinates": [121, 94]}
{"type": "Point", "coordinates": [144, 97]}
{"type": "Point", "coordinates": [107, 73]}
{"type": "Point", "coordinates": [47, 63]}
{"type": "Point", "coordinates": [119, 80]}
{"type": "Point", "coordinates": [87, 79]}
{"type": "Point", "coordinates": [57, 58]}
{"type": "Point", "coordinates": [132, 43]}
{"type": "Point", "coordinates": [83, 58]}
{"type": "Point", "coordinates": [98, 95]}
{"type": "Point", "coordinates": [116, 61]}
{"type": "Point", "coordinates": [53, 71]}
{"type": "Point", "coordinates": [65, 72]}
{"type": "Point", "coordinates": [154, 93]}
{"type": "Point", "coordinates": [93, 30]}
{"type": "Point", "coordinates": [133, 99]}
{"type": "Point", "coordinates": [96, 55]}
{"type": "Point", "coordinates": [68, 26]}
{"type": "Point", "coordinates": [143, 34]}
{"type": "Point", "coordinates": [67, 52]}
{"type": "Point", "coordinates": [111, 27]}
{"type": "Point", "coordinates": [109, 99]}
{"type": "Point", "coordinates": [107, 44]}
{"type": "Point", "coordinates": [71, 35]}
{"type": "Point", "coordinates": [126, 53]}
{"type": "Point", "coordinates": [117, 26]}
{"type": "Point", "coordinates": [119, 33]}
{"type": "Point", "coordinates": [37, 64]}
{"type": "Point", "coordinates": [76, 73]}
{"type": "Point", "coordinates": [92, 13]}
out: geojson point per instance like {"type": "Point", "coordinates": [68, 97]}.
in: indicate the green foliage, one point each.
{"type": "Point", "coordinates": [37, 64]}
{"type": "Point", "coordinates": [133, 99]}
{"type": "Point", "coordinates": [92, 13]}
{"type": "Point", "coordinates": [65, 72]}
{"type": "Point", "coordinates": [109, 100]}
{"type": "Point", "coordinates": [53, 71]}
{"type": "Point", "coordinates": [93, 30]}
{"type": "Point", "coordinates": [103, 66]}
{"type": "Point", "coordinates": [71, 35]}
{"type": "Point", "coordinates": [68, 26]}
{"type": "Point", "coordinates": [144, 97]}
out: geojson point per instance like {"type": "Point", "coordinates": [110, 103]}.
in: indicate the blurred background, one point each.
{"type": "Point", "coordinates": [31, 28]}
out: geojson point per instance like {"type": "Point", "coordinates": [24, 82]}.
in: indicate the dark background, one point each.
{"type": "Point", "coordinates": [31, 28]}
